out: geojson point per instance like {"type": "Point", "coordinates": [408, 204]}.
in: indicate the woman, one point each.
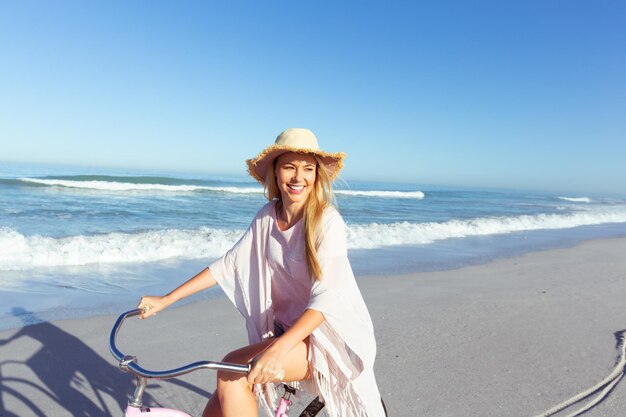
{"type": "Point", "coordinates": [289, 276]}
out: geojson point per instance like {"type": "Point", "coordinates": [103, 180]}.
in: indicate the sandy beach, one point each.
{"type": "Point", "coordinates": [509, 338]}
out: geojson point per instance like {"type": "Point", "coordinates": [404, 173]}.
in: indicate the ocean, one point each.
{"type": "Point", "coordinates": [78, 242]}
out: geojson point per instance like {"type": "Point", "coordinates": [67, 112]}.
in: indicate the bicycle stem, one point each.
{"type": "Point", "coordinates": [137, 398]}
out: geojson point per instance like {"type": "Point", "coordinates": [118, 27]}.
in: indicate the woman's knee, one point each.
{"type": "Point", "coordinates": [245, 354]}
{"type": "Point", "coordinates": [234, 357]}
{"type": "Point", "coordinates": [230, 377]}
{"type": "Point", "coordinates": [241, 356]}
{"type": "Point", "coordinates": [232, 387]}
{"type": "Point", "coordinates": [225, 378]}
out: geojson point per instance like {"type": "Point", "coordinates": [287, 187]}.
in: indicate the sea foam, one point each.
{"type": "Point", "coordinates": [20, 252]}
{"type": "Point", "coordinates": [383, 194]}
{"type": "Point", "coordinates": [576, 199]}
{"type": "Point", "coordinates": [371, 236]}
{"type": "Point", "coordinates": [130, 186]}
{"type": "Point", "coordinates": [100, 185]}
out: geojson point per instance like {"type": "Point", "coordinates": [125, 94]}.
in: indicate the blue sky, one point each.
{"type": "Point", "coordinates": [506, 94]}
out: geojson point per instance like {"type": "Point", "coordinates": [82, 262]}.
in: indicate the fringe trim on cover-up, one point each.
{"type": "Point", "coordinates": [339, 397]}
{"type": "Point", "coordinates": [266, 397]}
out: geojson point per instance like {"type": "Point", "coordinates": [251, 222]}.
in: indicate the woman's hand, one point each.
{"type": "Point", "coordinates": [152, 305]}
{"type": "Point", "coordinates": [267, 367]}
{"type": "Point", "coordinates": [201, 281]}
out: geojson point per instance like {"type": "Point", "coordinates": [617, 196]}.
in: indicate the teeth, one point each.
{"type": "Point", "coordinates": [296, 187]}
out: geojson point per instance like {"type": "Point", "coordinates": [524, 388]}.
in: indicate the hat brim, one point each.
{"type": "Point", "coordinates": [257, 167]}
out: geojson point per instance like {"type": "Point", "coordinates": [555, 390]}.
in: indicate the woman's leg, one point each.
{"type": "Point", "coordinates": [234, 396]}
{"type": "Point", "coordinates": [213, 407]}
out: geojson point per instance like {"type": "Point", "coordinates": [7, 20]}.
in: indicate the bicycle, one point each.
{"type": "Point", "coordinates": [135, 407]}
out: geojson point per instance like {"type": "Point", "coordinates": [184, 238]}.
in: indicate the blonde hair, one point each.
{"type": "Point", "coordinates": [320, 197]}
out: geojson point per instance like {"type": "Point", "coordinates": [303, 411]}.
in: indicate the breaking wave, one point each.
{"type": "Point", "coordinates": [371, 236]}
{"type": "Point", "coordinates": [132, 186]}
{"type": "Point", "coordinates": [384, 194]}
{"type": "Point", "coordinates": [105, 184]}
{"type": "Point", "coordinates": [19, 252]}
{"type": "Point", "coordinates": [576, 199]}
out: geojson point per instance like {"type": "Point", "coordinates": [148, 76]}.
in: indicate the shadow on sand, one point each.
{"type": "Point", "coordinates": [66, 372]}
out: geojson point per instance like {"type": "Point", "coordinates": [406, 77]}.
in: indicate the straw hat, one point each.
{"type": "Point", "coordinates": [294, 140]}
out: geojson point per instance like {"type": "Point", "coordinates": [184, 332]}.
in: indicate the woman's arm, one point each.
{"type": "Point", "coordinates": [199, 282]}
{"type": "Point", "coordinates": [268, 364]}
{"type": "Point", "coordinates": [301, 329]}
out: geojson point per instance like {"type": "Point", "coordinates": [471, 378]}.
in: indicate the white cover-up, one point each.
{"type": "Point", "coordinates": [342, 348]}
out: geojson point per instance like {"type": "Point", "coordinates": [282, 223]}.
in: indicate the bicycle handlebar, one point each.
{"type": "Point", "coordinates": [129, 363]}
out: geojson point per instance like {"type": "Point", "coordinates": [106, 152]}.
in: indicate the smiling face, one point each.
{"type": "Point", "coordinates": [295, 176]}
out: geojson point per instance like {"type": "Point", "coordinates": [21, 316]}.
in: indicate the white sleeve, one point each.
{"type": "Point", "coordinates": [227, 270]}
